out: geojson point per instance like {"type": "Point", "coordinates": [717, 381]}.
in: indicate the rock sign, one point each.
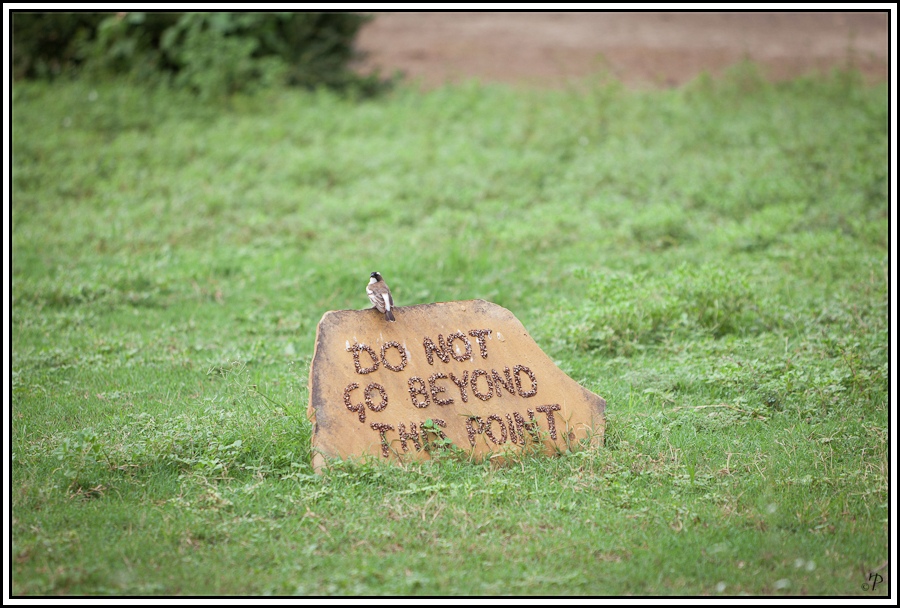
{"type": "Point", "coordinates": [465, 373]}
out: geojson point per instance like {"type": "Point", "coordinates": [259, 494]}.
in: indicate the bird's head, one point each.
{"type": "Point", "coordinates": [376, 276]}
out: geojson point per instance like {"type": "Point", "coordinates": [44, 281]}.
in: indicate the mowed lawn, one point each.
{"type": "Point", "coordinates": [712, 260]}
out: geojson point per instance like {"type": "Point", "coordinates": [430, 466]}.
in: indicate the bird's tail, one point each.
{"type": "Point", "coordinates": [389, 315]}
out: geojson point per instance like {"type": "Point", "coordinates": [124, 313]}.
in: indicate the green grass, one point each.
{"type": "Point", "coordinates": [712, 260]}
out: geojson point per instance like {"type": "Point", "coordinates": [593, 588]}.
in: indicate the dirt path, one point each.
{"type": "Point", "coordinates": [640, 49]}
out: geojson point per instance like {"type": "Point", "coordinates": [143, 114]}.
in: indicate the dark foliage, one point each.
{"type": "Point", "coordinates": [45, 44]}
{"type": "Point", "coordinates": [211, 53]}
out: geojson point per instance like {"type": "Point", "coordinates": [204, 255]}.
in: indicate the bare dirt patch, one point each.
{"type": "Point", "coordinates": [640, 49]}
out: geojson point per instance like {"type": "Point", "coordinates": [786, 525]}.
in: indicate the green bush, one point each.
{"type": "Point", "coordinates": [216, 53]}
{"type": "Point", "coordinates": [129, 44]}
{"type": "Point", "coordinates": [47, 44]}
{"type": "Point", "coordinates": [209, 53]}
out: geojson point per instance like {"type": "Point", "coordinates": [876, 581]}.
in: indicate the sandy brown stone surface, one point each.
{"type": "Point", "coordinates": [640, 49]}
{"type": "Point", "coordinates": [470, 368]}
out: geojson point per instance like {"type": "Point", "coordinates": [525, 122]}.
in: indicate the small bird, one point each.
{"type": "Point", "coordinates": [380, 295]}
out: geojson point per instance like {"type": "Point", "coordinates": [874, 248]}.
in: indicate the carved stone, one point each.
{"type": "Point", "coordinates": [461, 372]}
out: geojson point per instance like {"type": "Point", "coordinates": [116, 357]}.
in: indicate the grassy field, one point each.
{"type": "Point", "coordinates": [712, 260]}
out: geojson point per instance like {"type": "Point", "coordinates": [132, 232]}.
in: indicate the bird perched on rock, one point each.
{"type": "Point", "coordinates": [380, 295]}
